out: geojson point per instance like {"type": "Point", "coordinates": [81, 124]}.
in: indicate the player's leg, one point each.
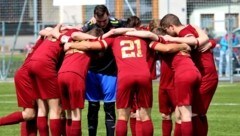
{"type": "Point", "coordinates": [108, 84]}
{"type": "Point", "coordinates": [145, 116]}
{"type": "Point", "coordinates": [42, 119]}
{"type": "Point", "coordinates": [135, 121]}
{"type": "Point", "coordinates": [76, 90]}
{"type": "Point", "coordinates": [92, 116]}
{"type": "Point", "coordinates": [122, 120]}
{"type": "Point", "coordinates": [203, 100]}
{"type": "Point", "coordinates": [76, 128]}
{"type": "Point", "coordinates": [54, 116]}
{"type": "Point", "coordinates": [93, 97]}
{"type": "Point", "coordinates": [220, 67]}
{"type": "Point", "coordinates": [110, 117]}
{"type": "Point", "coordinates": [144, 101]}
{"type": "Point", "coordinates": [186, 120]}
{"type": "Point", "coordinates": [227, 68]}
{"type": "Point", "coordinates": [166, 108]}
{"type": "Point", "coordinates": [177, 129]}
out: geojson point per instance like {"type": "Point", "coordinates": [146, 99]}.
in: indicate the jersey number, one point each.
{"type": "Point", "coordinates": [131, 48]}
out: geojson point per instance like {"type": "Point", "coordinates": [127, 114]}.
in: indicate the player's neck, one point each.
{"type": "Point", "coordinates": [179, 28]}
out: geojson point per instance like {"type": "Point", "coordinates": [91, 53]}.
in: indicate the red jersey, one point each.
{"type": "Point", "coordinates": [167, 74]}
{"type": "Point", "coordinates": [51, 51]}
{"type": "Point", "coordinates": [76, 62]}
{"type": "Point", "coordinates": [151, 59]}
{"type": "Point", "coordinates": [37, 44]}
{"type": "Point", "coordinates": [204, 61]}
{"type": "Point", "coordinates": [130, 54]}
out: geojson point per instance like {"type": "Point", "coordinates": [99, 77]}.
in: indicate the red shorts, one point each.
{"type": "Point", "coordinates": [186, 82]}
{"type": "Point", "coordinates": [24, 88]}
{"type": "Point", "coordinates": [72, 90]}
{"type": "Point", "coordinates": [166, 101]}
{"type": "Point", "coordinates": [127, 87]}
{"type": "Point", "coordinates": [204, 96]}
{"type": "Point", "coordinates": [45, 77]}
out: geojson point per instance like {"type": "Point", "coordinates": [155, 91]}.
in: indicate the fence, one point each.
{"type": "Point", "coordinates": [22, 19]}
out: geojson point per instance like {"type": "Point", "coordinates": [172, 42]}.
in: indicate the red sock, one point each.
{"type": "Point", "coordinates": [187, 128]}
{"type": "Point", "coordinates": [12, 118]}
{"type": "Point", "coordinates": [121, 128]}
{"type": "Point", "coordinates": [204, 125]}
{"type": "Point", "coordinates": [23, 128]}
{"type": "Point", "coordinates": [177, 130]}
{"type": "Point", "coordinates": [76, 129]}
{"type": "Point", "coordinates": [148, 128]}
{"type": "Point", "coordinates": [42, 125]}
{"type": "Point", "coordinates": [166, 127]}
{"type": "Point", "coordinates": [132, 126]}
{"type": "Point", "coordinates": [68, 126]}
{"type": "Point", "coordinates": [29, 128]}
{"type": "Point", "coordinates": [196, 126]}
{"type": "Point", "coordinates": [138, 128]}
{"type": "Point", "coordinates": [55, 127]}
{"type": "Point", "coordinates": [63, 126]}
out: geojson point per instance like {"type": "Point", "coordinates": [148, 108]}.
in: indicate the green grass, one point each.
{"type": "Point", "coordinates": [223, 115]}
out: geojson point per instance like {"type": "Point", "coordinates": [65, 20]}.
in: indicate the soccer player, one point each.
{"type": "Point", "coordinates": [45, 63]}
{"type": "Point", "coordinates": [71, 79]}
{"type": "Point", "coordinates": [185, 86]}
{"type": "Point", "coordinates": [166, 88]}
{"type": "Point", "coordinates": [203, 58]}
{"type": "Point", "coordinates": [101, 77]}
{"type": "Point", "coordinates": [26, 98]}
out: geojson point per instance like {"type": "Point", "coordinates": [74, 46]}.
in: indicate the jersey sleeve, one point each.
{"type": "Point", "coordinates": [87, 26]}
{"type": "Point", "coordinates": [213, 43]}
{"type": "Point", "coordinates": [106, 42]}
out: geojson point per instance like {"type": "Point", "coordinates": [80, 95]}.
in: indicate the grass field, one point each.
{"type": "Point", "coordinates": [223, 115]}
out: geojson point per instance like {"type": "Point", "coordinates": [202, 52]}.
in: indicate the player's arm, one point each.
{"type": "Point", "coordinates": [209, 45]}
{"type": "Point", "coordinates": [81, 36]}
{"type": "Point", "coordinates": [46, 31]}
{"type": "Point", "coordinates": [143, 34]}
{"type": "Point", "coordinates": [117, 31]}
{"type": "Point", "coordinates": [188, 39]}
{"type": "Point", "coordinates": [85, 45]}
{"type": "Point", "coordinates": [170, 47]}
{"type": "Point", "coordinates": [202, 36]}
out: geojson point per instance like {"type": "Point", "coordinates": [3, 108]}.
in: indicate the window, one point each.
{"type": "Point", "coordinates": [231, 21]}
{"type": "Point", "coordinates": [207, 21]}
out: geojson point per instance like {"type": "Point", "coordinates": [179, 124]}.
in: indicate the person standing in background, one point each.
{"type": "Point", "coordinates": [224, 53]}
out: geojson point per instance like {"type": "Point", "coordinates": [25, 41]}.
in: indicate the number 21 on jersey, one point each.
{"type": "Point", "coordinates": [131, 49]}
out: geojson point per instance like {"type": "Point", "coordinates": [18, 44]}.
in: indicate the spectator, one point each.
{"type": "Point", "coordinates": [224, 53]}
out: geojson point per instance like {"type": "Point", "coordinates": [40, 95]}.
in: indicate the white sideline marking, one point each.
{"type": "Point", "coordinates": [225, 104]}
{"type": "Point", "coordinates": [227, 85]}
{"type": "Point", "coordinates": [8, 102]}
{"type": "Point", "coordinates": [7, 95]}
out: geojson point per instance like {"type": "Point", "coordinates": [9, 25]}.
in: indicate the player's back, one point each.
{"type": "Point", "coordinates": [204, 61]}
{"type": "Point", "coordinates": [131, 55]}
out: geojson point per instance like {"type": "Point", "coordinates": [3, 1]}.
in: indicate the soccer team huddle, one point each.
{"type": "Point", "coordinates": [114, 61]}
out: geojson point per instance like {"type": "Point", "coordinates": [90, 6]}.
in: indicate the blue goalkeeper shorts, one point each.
{"type": "Point", "coordinates": [100, 87]}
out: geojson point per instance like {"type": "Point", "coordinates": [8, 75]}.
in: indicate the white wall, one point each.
{"type": "Point", "coordinates": [71, 14]}
{"type": "Point", "coordinates": [219, 17]}
{"type": "Point", "coordinates": [177, 7]}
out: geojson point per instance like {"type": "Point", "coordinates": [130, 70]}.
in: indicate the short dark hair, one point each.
{"type": "Point", "coordinates": [133, 21]}
{"type": "Point", "coordinates": [170, 19]}
{"type": "Point", "coordinates": [96, 32]}
{"type": "Point", "coordinates": [100, 10]}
